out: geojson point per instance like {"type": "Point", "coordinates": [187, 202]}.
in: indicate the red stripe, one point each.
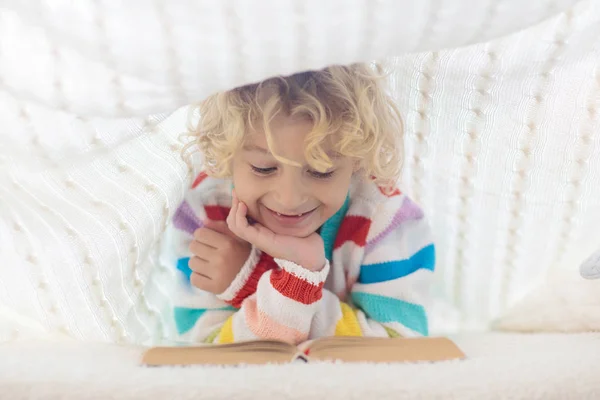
{"type": "Point", "coordinates": [201, 176]}
{"type": "Point", "coordinates": [217, 213]}
{"type": "Point", "coordinates": [295, 288]}
{"type": "Point", "coordinates": [389, 193]}
{"type": "Point", "coordinates": [264, 264]}
{"type": "Point", "coordinates": [354, 228]}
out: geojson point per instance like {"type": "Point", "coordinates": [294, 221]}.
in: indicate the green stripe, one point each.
{"type": "Point", "coordinates": [391, 333]}
{"type": "Point", "coordinates": [386, 309]}
{"type": "Point", "coordinates": [331, 227]}
{"type": "Point", "coordinates": [213, 335]}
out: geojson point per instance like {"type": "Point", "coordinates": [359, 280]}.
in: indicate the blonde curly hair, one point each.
{"type": "Point", "coordinates": [347, 105]}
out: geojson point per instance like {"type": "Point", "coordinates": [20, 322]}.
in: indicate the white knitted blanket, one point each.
{"type": "Point", "coordinates": [500, 101]}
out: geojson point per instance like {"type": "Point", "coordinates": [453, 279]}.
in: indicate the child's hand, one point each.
{"type": "Point", "coordinates": [307, 252]}
{"type": "Point", "coordinates": [219, 255]}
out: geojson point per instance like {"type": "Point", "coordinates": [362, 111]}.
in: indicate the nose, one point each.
{"type": "Point", "coordinates": [290, 194]}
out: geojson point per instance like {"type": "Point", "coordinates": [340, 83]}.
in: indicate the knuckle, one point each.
{"type": "Point", "coordinates": [194, 264]}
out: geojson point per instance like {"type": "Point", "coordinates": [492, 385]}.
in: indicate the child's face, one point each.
{"type": "Point", "coordinates": [288, 200]}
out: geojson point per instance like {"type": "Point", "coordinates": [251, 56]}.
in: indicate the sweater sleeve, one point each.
{"type": "Point", "coordinates": [282, 308]}
{"type": "Point", "coordinates": [199, 315]}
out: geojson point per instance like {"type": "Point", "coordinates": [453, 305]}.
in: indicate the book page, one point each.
{"type": "Point", "coordinates": [252, 352]}
{"type": "Point", "coordinates": [362, 349]}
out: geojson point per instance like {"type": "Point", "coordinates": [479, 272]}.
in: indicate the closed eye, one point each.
{"type": "Point", "coordinates": [321, 175]}
{"type": "Point", "coordinates": [263, 171]}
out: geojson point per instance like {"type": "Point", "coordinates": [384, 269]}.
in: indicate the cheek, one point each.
{"type": "Point", "coordinates": [243, 190]}
{"type": "Point", "coordinates": [335, 195]}
{"type": "Point", "coordinates": [336, 201]}
{"type": "Point", "coordinates": [248, 191]}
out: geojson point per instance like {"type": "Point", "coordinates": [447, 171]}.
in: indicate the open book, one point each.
{"type": "Point", "coordinates": [340, 348]}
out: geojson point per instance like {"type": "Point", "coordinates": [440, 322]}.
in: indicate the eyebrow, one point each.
{"type": "Point", "coordinates": [253, 147]}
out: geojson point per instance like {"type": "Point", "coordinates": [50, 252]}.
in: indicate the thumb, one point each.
{"type": "Point", "coordinates": [219, 226]}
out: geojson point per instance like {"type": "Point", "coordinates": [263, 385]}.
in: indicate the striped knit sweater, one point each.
{"type": "Point", "coordinates": [376, 281]}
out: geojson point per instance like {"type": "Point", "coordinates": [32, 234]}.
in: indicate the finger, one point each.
{"type": "Point", "coordinates": [201, 250]}
{"type": "Point", "coordinates": [232, 212]}
{"type": "Point", "coordinates": [240, 217]}
{"type": "Point", "coordinates": [242, 227]}
{"type": "Point", "coordinates": [262, 237]}
{"type": "Point", "coordinates": [201, 282]}
{"type": "Point", "coordinates": [199, 266]}
{"type": "Point", "coordinates": [257, 234]}
{"type": "Point", "coordinates": [209, 237]}
{"type": "Point", "coordinates": [219, 226]}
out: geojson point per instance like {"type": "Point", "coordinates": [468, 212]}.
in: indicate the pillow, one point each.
{"type": "Point", "coordinates": [565, 302]}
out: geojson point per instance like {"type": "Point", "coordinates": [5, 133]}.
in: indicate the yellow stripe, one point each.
{"type": "Point", "coordinates": [226, 334]}
{"type": "Point", "coordinates": [347, 325]}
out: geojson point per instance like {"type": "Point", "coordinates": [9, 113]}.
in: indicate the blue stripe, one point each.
{"type": "Point", "coordinates": [185, 318]}
{"type": "Point", "coordinates": [331, 227]}
{"type": "Point", "coordinates": [387, 271]}
{"type": "Point", "coordinates": [386, 309]}
{"type": "Point", "coordinates": [183, 266]}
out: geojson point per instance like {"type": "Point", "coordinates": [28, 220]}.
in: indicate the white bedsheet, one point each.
{"type": "Point", "coordinates": [499, 366]}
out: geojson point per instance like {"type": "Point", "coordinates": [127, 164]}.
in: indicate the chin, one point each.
{"type": "Point", "coordinates": [299, 233]}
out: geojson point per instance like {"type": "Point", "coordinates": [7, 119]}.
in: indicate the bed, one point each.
{"type": "Point", "coordinates": [499, 366]}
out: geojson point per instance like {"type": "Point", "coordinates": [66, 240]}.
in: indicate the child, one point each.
{"type": "Point", "coordinates": [295, 230]}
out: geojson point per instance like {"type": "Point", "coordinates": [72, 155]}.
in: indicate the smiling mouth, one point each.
{"type": "Point", "coordinates": [291, 217]}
